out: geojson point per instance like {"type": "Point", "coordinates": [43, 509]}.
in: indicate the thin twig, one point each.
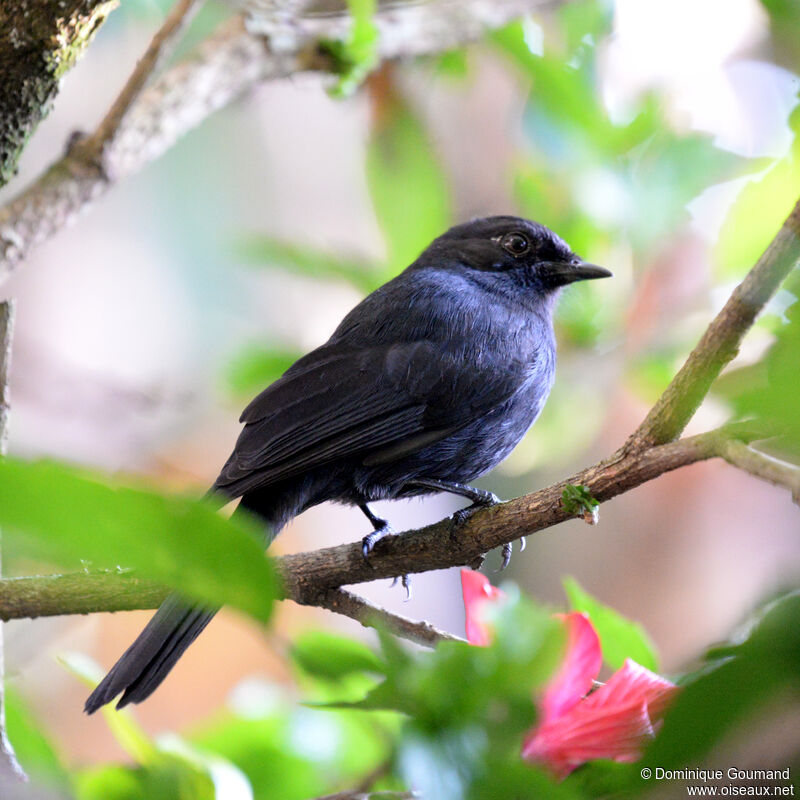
{"type": "Point", "coordinates": [720, 342]}
{"type": "Point", "coordinates": [9, 766]}
{"type": "Point", "coordinates": [343, 602]}
{"type": "Point", "coordinates": [763, 466]}
{"type": "Point", "coordinates": [92, 148]}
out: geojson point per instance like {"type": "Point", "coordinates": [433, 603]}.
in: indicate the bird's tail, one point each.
{"type": "Point", "coordinates": [147, 661]}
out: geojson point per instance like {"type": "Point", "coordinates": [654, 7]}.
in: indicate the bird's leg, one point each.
{"type": "Point", "coordinates": [381, 527]}
{"type": "Point", "coordinates": [481, 498]}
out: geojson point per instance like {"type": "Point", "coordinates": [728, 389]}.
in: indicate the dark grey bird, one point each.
{"type": "Point", "coordinates": [426, 384]}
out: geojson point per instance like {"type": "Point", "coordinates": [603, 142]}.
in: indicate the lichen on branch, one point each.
{"type": "Point", "coordinates": [40, 41]}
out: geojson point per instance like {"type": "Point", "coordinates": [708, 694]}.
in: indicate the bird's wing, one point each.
{"type": "Point", "coordinates": [337, 403]}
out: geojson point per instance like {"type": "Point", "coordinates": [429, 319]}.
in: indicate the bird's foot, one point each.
{"type": "Point", "coordinates": [482, 499]}
{"type": "Point", "coordinates": [371, 539]}
{"type": "Point", "coordinates": [508, 548]}
{"type": "Point", "coordinates": [405, 582]}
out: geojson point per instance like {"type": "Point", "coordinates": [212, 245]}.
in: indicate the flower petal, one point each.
{"type": "Point", "coordinates": [632, 683]}
{"type": "Point", "coordinates": [613, 722]}
{"type": "Point", "coordinates": [477, 592]}
{"type": "Point", "coordinates": [579, 668]}
{"type": "Point", "coordinates": [583, 735]}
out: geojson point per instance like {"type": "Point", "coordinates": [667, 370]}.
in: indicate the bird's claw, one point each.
{"type": "Point", "coordinates": [506, 551]}
{"type": "Point", "coordinates": [371, 539]}
{"type": "Point", "coordinates": [508, 548]}
{"type": "Point", "coordinates": [486, 500]}
{"type": "Point", "coordinates": [405, 582]}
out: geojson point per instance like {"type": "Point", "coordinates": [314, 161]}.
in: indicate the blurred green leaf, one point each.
{"type": "Point", "coordinates": [266, 251]}
{"type": "Point", "coordinates": [407, 185]}
{"type": "Point", "coordinates": [771, 396]}
{"type": "Point", "coordinates": [326, 655]}
{"type": "Point", "coordinates": [757, 671]}
{"type": "Point", "coordinates": [759, 211]}
{"type": "Point", "coordinates": [262, 749]}
{"type": "Point", "coordinates": [358, 55]}
{"type": "Point", "coordinates": [784, 19]}
{"type": "Point", "coordinates": [256, 367]}
{"type": "Point", "coordinates": [35, 751]}
{"type": "Point", "coordinates": [620, 638]}
{"type": "Point", "coordinates": [59, 513]}
{"type": "Point", "coordinates": [631, 175]}
{"type": "Point", "coordinates": [170, 778]}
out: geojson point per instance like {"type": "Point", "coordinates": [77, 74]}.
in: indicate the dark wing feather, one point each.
{"type": "Point", "coordinates": [338, 403]}
{"type": "Point", "coordinates": [332, 404]}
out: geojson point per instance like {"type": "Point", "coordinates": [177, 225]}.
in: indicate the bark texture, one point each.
{"type": "Point", "coordinates": [39, 41]}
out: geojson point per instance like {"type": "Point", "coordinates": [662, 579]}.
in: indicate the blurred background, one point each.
{"type": "Point", "coordinates": [657, 138]}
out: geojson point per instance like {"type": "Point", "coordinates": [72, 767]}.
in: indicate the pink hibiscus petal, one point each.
{"type": "Point", "coordinates": [613, 722]}
{"type": "Point", "coordinates": [578, 670]}
{"type": "Point", "coordinates": [633, 683]}
{"type": "Point", "coordinates": [477, 593]}
{"type": "Point", "coordinates": [584, 735]}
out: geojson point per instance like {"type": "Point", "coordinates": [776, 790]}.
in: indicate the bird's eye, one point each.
{"type": "Point", "coordinates": [516, 244]}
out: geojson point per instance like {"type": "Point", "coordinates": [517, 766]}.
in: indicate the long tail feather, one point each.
{"type": "Point", "coordinates": [149, 659]}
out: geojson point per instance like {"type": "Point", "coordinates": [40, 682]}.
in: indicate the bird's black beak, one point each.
{"type": "Point", "coordinates": [560, 273]}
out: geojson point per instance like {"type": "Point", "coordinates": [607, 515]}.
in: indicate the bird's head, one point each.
{"type": "Point", "coordinates": [510, 252]}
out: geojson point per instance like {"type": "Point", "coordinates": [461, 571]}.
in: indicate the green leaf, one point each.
{"type": "Point", "coordinates": [256, 367]}
{"type": "Point", "coordinates": [758, 212]}
{"type": "Point", "coordinates": [578, 499]}
{"type": "Point", "coordinates": [770, 397]}
{"type": "Point", "coordinates": [407, 185]}
{"type": "Point", "coordinates": [620, 637]}
{"type": "Point", "coordinates": [171, 778]}
{"type": "Point", "coordinates": [733, 689]}
{"type": "Point", "coordinates": [326, 655]}
{"type": "Point", "coordinates": [268, 252]}
{"type": "Point", "coordinates": [34, 750]}
{"type": "Point", "coordinates": [359, 54]}
{"type": "Point", "coordinates": [58, 513]}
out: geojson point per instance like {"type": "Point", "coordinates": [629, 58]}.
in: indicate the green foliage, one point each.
{"type": "Point", "coordinates": [357, 56]}
{"type": "Point", "coordinates": [469, 707]}
{"type": "Point", "coordinates": [35, 751]}
{"type": "Point", "coordinates": [61, 514]}
{"type": "Point", "coordinates": [633, 176]}
{"type": "Point", "coordinates": [266, 251]}
{"type": "Point", "coordinates": [407, 185]}
{"type": "Point", "coordinates": [770, 397]}
{"type": "Point", "coordinates": [759, 211]}
{"type": "Point", "coordinates": [738, 680]}
{"type": "Point", "coordinates": [578, 499]}
{"type": "Point", "coordinates": [620, 637]}
{"type": "Point", "coordinates": [331, 657]}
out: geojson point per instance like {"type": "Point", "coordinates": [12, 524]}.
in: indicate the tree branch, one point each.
{"type": "Point", "coordinates": [221, 69]}
{"type": "Point", "coordinates": [341, 601]}
{"type": "Point", "coordinates": [40, 40]}
{"type": "Point", "coordinates": [92, 149]}
{"type": "Point", "coordinates": [312, 578]}
{"type": "Point", "coordinates": [763, 466]}
{"type": "Point", "coordinates": [720, 343]}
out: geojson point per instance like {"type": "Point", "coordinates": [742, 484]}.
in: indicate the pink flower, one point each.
{"type": "Point", "coordinates": [478, 594]}
{"type": "Point", "coordinates": [614, 722]}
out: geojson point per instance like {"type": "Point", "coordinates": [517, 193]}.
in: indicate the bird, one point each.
{"type": "Point", "coordinates": [427, 384]}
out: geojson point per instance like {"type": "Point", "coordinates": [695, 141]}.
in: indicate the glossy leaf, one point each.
{"type": "Point", "coordinates": [61, 514]}
{"type": "Point", "coordinates": [620, 638]}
